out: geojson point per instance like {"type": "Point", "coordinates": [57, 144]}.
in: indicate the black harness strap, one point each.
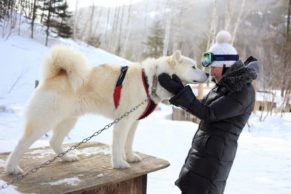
{"type": "Point", "coordinates": [118, 87]}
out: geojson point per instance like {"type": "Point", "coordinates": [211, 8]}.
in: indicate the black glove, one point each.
{"type": "Point", "coordinates": [184, 99]}
{"type": "Point", "coordinates": [173, 85]}
{"type": "Point", "coordinates": [187, 100]}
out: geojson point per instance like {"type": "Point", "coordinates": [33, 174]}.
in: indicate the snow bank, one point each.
{"type": "Point", "coordinates": [67, 181]}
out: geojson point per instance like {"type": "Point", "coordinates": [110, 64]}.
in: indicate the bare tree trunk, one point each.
{"type": "Point", "coordinates": [75, 24]}
{"type": "Point", "coordinates": [200, 91]}
{"type": "Point", "coordinates": [87, 27]}
{"type": "Point", "coordinates": [228, 15]}
{"type": "Point", "coordinates": [9, 21]}
{"type": "Point", "coordinates": [167, 36]}
{"type": "Point", "coordinates": [210, 36]}
{"type": "Point", "coordinates": [96, 25]}
{"type": "Point", "coordinates": [286, 54]}
{"type": "Point", "coordinates": [145, 18]}
{"type": "Point", "coordinates": [21, 8]}
{"type": "Point", "coordinates": [213, 26]}
{"type": "Point", "coordinates": [175, 17]}
{"type": "Point", "coordinates": [128, 31]}
{"type": "Point", "coordinates": [113, 38]}
{"type": "Point", "coordinates": [90, 22]}
{"type": "Point", "coordinates": [288, 21]}
{"type": "Point", "coordinates": [106, 42]}
{"type": "Point", "coordinates": [167, 31]}
{"type": "Point", "coordinates": [120, 30]}
{"type": "Point", "coordinates": [34, 8]}
{"type": "Point", "coordinates": [238, 20]}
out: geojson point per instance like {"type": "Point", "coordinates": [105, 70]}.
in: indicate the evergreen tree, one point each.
{"type": "Point", "coordinates": [6, 6]}
{"type": "Point", "coordinates": [63, 15]}
{"type": "Point", "coordinates": [55, 15]}
{"type": "Point", "coordinates": [155, 40]}
{"type": "Point", "coordinates": [3, 9]}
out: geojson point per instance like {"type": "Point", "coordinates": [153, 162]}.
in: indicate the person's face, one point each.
{"type": "Point", "coordinates": [216, 73]}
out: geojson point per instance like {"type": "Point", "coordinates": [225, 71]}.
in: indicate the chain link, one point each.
{"type": "Point", "coordinates": [73, 147]}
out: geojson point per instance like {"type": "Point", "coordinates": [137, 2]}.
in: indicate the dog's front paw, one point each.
{"type": "Point", "coordinates": [133, 157]}
{"type": "Point", "coordinates": [120, 164]}
{"type": "Point", "coordinates": [70, 158]}
{"type": "Point", "coordinates": [13, 170]}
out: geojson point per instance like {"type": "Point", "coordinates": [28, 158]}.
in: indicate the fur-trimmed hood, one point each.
{"type": "Point", "coordinates": [237, 76]}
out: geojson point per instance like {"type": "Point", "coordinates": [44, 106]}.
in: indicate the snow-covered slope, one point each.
{"type": "Point", "coordinates": [20, 63]}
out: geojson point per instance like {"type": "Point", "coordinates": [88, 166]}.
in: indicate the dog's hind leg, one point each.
{"type": "Point", "coordinates": [31, 134]}
{"type": "Point", "coordinates": [120, 133]}
{"type": "Point", "coordinates": [59, 133]}
{"type": "Point", "coordinates": [130, 155]}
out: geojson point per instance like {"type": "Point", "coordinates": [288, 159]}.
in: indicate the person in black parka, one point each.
{"type": "Point", "coordinates": [223, 114]}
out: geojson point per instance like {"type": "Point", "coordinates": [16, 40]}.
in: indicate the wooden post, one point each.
{"type": "Point", "coordinates": [256, 103]}
{"type": "Point", "coordinates": [179, 114]}
{"type": "Point", "coordinates": [200, 91]}
{"type": "Point", "coordinates": [91, 174]}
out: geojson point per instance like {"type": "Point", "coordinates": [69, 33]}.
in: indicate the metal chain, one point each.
{"type": "Point", "coordinates": [60, 155]}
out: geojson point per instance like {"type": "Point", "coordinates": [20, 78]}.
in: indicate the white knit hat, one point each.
{"type": "Point", "coordinates": [223, 46]}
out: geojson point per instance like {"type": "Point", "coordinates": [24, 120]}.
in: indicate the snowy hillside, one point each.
{"type": "Point", "coordinates": [21, 60]}
{"type": "Point", "coordinates": [262, 166]}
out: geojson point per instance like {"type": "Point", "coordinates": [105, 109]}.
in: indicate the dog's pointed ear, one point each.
{"type": "Point", "coordinates": [177, 55]}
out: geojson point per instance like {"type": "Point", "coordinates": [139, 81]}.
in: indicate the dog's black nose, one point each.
{"type": "Point", "coordinates": [207, 75]}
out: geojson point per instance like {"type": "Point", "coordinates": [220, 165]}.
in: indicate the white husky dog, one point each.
{"type": "Point", "coordinates": [69, 89]}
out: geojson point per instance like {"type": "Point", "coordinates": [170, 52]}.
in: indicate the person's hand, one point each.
{"type": "Point", "coordinates": [172, 84]}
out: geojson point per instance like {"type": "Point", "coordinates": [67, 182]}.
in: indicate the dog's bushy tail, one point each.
{"type": "Point", "coordinates": [64, 59]}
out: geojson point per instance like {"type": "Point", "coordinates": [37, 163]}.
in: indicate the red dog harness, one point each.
{"type": "Point", "coordinates": [118, 88]}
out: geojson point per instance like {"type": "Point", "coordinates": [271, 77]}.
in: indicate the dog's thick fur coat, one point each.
{"type": "Point", "coordinates": [69, 88]}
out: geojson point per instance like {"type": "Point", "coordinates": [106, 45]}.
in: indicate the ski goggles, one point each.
{"type": "Point", "coordinates": [208, 58]}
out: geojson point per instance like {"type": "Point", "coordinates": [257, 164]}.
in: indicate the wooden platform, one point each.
{"type": "Point", "coordinates": [91, 174]}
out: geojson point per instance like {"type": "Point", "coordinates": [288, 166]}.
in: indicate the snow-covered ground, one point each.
{"type": "Point", "coordinates": [262, 165]}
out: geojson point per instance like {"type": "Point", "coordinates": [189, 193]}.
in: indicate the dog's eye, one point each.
{"type": "Point", "coordinates": [193, 67]}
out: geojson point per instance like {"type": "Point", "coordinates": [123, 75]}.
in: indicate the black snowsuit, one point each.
{"type": "Point", "coordinates": [223, 113]}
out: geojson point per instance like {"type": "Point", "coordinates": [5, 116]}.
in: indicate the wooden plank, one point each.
{"type": "Point", "coordinates": [133, 186]}
{"type": "Point", "coordinates": [93, 170]}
